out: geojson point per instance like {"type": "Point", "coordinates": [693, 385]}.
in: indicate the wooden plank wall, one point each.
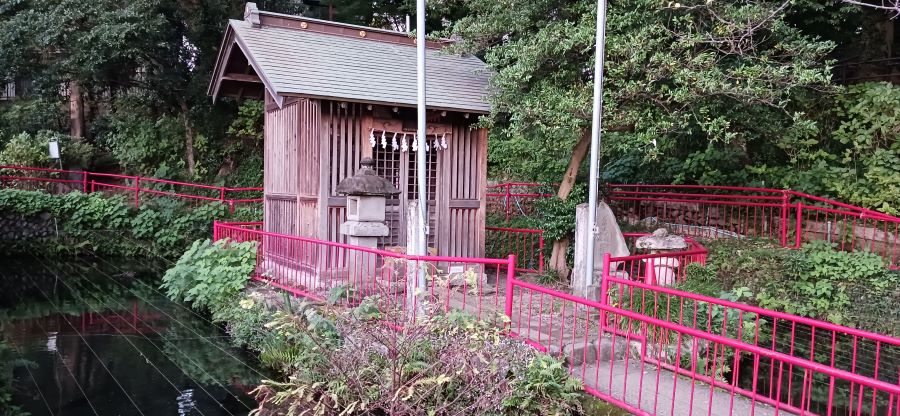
{"type": "Point", "coordinates": [290, 173]}
{"type": "Point", "coordinates": [342, 137]}
{"type": "Point", "coordinates": [308, 168]}
{"type": "Point", "coordinates": [461, 179]}
{"type": "Point", "coordinates": [462, 199]}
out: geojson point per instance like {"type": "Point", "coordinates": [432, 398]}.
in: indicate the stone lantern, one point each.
{"type": "Point", "coordinates": [665, 268]}
{"type": "Point", "coordinates": [366, 193]}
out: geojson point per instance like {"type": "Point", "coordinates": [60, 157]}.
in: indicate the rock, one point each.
{"type": "Point", "coordinates": [661, 240]}
{"type": "Point", "coordinates": [581, 352]}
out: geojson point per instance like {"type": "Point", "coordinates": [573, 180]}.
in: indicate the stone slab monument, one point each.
{"type": "Point", "coordinates": [609, 239]}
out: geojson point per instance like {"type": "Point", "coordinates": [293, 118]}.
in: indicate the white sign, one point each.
{"type": "Point", "coordinates": [54, 150]}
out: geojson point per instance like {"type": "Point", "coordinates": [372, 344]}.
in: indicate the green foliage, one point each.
{"type": "Point", "coordinates": [99, 224]}
{"type": "Point", "coordinates": [144, 145]}
{"type": "Point", "coordinates": [556, 216]}
{"type": "Point", "coordinates": [690, 83]}
{"type": "Point", "coordinates": [30, 116]}
{"type": "Point", "coordinates": [441, 365]}
{"type": "Point", "coordinates": [847, 288]}
{"type": "Point", "coordinates": [210, 275]}
{"type": "Point", "coordinates": [26, 149]}
{"type": "Point", "coordinates": [545, 380]}
{"type": "Point", "coordinates": [248, 123]}
{"type": "Point", "coordinates": [171, 224]}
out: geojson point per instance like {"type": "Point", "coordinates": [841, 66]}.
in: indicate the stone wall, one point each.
{"type": "Point", "coordinates": [16, 228]}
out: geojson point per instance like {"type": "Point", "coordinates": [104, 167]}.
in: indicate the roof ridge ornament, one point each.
{"type": "Point", "coordinates": [251, 14]}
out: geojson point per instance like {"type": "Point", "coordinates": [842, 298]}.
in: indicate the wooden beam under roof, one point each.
{"type": "Point", "coordinates": [233, 76]}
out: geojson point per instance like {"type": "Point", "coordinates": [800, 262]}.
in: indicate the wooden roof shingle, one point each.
{"type": "Point", "coordinates": [295, 62]}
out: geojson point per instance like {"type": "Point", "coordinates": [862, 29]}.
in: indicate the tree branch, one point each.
{"type": "Point", "coordinates": [890, 6]}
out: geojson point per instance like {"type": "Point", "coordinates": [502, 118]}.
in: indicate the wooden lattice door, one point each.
{"type": "Point", "coordinates": [399, 167]}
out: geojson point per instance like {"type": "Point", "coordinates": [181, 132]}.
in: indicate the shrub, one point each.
{"type": "Point", "coordinates": [103, 224]}
{"type": "Point", "coordinates": [209, 275]}
{"type": "Point", "coordinates": [442, 365]}
{"type": "Point", "coordinates": [26, 149]}
{"type": "Point", "coordinates": [818, 281]}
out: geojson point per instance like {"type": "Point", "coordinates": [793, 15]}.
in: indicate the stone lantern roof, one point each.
{"type": "Point", "coordinates": [366, 183]}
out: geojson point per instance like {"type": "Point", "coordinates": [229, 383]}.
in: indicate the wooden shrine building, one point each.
{"type": "Point", "coordinates": [335, 93]}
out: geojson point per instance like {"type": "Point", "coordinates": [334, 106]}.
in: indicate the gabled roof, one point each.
{"type": "Point", "coordinates": [298, 56]}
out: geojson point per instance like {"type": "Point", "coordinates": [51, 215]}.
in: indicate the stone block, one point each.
{"type": "Point", "coordinates": [364, 229]}
{"type": "Point", "coordinates": [365, 208]}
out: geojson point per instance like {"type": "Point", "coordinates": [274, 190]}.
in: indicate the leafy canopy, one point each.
{"type": "Point", "coordinates": [676, 73]}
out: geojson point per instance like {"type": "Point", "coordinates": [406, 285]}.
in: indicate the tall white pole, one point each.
{"type": "Point", "coordinates": [595, 140]}
{"type": "Point", "coordinates": [421, 167]}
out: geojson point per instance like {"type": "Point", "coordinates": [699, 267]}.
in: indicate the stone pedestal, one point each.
{"type": "Point", "coordinates": [661, 270]}
{"type": "Point", "coordinates": [362, 265]}
{"type": "Point", "coordinates": [609, 239]}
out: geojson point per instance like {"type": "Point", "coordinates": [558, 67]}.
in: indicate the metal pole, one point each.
{"type": "Point", "coordinates": [421, 167]}
{"type": "Point", "coordinates": [595, 140]}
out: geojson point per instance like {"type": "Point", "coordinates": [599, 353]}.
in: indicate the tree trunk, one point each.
{"type": "Point", "coordinates": [579, 152]}
{"type": "Point", "coordinates": [76, 110]}
{"type": "Point", "coordinates": [188, 140]}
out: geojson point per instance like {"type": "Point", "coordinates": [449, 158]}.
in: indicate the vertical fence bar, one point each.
{"type": "Point", "coordinates": [784, 217]}
{"type": "Point", "coordinates": [506, 202]}
{"type": "Point", "coordinates": [510, 277]}
{"type": "Point", "coordinates": [541, 252]}
{"type": "Point", "coordinates": [84, 181]}
{"type": "Point", "coordinates": [137, 192]}
{"type": "Point", "coordinates": [799, 225]}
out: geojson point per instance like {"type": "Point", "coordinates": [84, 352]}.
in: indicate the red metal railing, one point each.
{"type": "Point", "coordinates": [663, 268]}
{"type": "Point", "coordinates": [526, 244]}
{"type": "Point", "coordinates": [513, 196]}
{"type": "Point", "coordinates": [790, 217]}
{"type": "Point", "coordinates": [310, 268]}
{"type": "Point", "coordinates": [136, 187]}
{"type": "Point", "coordinates": [645, 348]}
{"type": "Point", "coordinates": [655, 350]}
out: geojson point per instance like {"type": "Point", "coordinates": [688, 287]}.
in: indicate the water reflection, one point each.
{"type": "Point", "coordinates": [96, 337]}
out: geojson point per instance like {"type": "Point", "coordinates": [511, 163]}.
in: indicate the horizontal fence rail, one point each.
{"type": "Point", "coordinates": [514, 198]}
{"type": "Point", "coordinates": [789, 217]}
{"type": "Point", "coordinates": [135, 187]}
{"type": "Point", "coordinates": [312, 268]}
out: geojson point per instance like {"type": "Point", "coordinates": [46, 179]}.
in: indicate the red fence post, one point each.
{"type": "Point", "coordinates": [137, 191]}
{"type": "Point", "coordinates": [541, 252]}
{"type": "Point", "coordinates": [799, 224]}
{"type": "Point", "coordinates": [510, 278]}
{"type": "Point", "coordinates": [784, 216]}
{"type": "Point", "coordinates": [506, 203]}
{"type": "Point", "coordinates": [604, 289]}
{"type": "Point", "coordinates": [215, 230]}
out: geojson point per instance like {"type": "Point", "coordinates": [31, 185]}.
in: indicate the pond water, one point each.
{"type": "Point", "coordinates": [95, 336]}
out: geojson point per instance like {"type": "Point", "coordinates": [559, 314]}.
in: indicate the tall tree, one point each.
{"type": "Point", "coordinates": [675, 72]}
